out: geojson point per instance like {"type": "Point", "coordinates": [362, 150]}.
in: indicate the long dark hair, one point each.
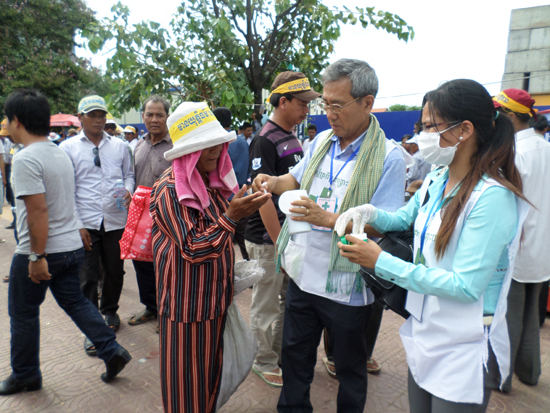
{"type": "Point", "coordinates": [461, 100]}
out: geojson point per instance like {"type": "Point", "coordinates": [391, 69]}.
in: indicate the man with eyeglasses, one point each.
{"type": "Point", "coordinates": [352, 164]}
{"type": "Point", "coordinates": [99, 160]}
{"type": "Point", "coordinates": [275, 150]}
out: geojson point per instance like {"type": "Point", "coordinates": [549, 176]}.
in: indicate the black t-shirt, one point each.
{"type": "Point", "coordinates": [273, 151]}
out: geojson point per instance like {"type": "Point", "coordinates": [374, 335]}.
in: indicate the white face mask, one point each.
{"type": "Point", "coordinates": [428, 145]}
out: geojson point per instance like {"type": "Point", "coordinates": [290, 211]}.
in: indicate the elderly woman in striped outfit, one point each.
{"type": "Point", "coordinates": [193, 226]}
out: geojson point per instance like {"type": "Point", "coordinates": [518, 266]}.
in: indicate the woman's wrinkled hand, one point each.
{"type": "Point", "coordinates": [364, 253]}
{"type": "Point", "coordinates": [242, 206]}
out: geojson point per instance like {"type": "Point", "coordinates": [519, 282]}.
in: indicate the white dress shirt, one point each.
{"type": "Point", "coordinates": [533, 161]}
{"type": "Point", "coordinates": [95, 186]}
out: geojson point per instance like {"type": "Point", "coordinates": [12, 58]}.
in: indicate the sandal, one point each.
{"type": "Point", "coordinates": [329, 365]}
{"type": "Point", "coordinates": [372, 366]}
{"type": "Point", "coordinates": [142, 317]}
{"type": "Point", "coordinates": [6, 278]}
{"type": "Point", "coordinates": [113, 321]}
{"type": "Point", "coordinates": [269, 373]}
{"type": "Point", "coordinates": [89, 347]}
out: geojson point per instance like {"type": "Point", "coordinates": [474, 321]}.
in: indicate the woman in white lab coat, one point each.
{"type": "Point", "coordinates": [466, 237]}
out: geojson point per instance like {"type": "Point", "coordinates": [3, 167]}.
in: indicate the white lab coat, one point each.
{"type": "Point", "coordinates": [445, 341]}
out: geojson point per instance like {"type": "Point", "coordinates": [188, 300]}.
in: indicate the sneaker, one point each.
{"type": "Point", "coordinates": [372, 366]}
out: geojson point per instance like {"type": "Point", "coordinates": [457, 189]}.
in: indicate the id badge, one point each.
{"type": "Point", "coordinates": [328, 204]}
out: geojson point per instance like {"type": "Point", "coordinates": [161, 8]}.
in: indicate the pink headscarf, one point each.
{"type": "Point", "coordinates": [190, 186]}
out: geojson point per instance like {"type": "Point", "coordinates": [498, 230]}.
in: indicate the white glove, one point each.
{"type": "Point", "coordinates": [360, 216]}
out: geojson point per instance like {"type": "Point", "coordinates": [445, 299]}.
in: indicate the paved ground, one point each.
{"type": "Point", "coordinates": [72, 383]}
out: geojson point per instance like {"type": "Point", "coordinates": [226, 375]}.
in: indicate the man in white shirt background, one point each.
{"type": "Point", "coordinates": [131, 137]}
{"type": "Point", "coordinates": [99, 160]}
{"type": "Point", "coordinates": [532, 265]}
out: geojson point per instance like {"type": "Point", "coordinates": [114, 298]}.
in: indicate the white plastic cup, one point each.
{"type": "Point", "coordinates": [285, 200]}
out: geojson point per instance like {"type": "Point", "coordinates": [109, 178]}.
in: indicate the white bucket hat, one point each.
{"type": "Point", "coordinates": [193, 127]}
{"type": "Point", "coordinates": [414, 139]}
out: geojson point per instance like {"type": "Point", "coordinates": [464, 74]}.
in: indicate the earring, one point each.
{"type": "Point", "coordinates": [460, 138]}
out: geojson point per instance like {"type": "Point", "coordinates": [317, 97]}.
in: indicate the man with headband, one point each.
{"type": "Point", "coordinates": [532, 265]}
{"type": "Point", "coordinates": [274, 151]}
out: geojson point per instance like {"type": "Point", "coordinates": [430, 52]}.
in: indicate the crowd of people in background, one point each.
{"type": "Point", "coordinates": [468, 181]}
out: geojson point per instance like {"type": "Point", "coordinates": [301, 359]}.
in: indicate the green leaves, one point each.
{"type": "Point", "coordinates": [227, 51]}
{"type": "Point", "coordinates": [37, 48]}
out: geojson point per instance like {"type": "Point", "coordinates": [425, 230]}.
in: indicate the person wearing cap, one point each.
{"type": "Point", "coordinates": [238, 152]}
{"type": "Point", "coordinates": [54, 137]}
{"type": "Point", "coordinates": [49, 254]}
{"type": "Point", "coordinates": [131, 137]}
{"type": "Point", "coordinates": [420, 168]}
{"type": "Point", "coordinates": [532, 266]}
{"type": "Point", "coordinates": [110, 125]}
{"type": "Point", "coordinates": [192, 231]}
{"type": "Point", "coordinates": [150, 163]}
{"type": "Point", "coordinates": [275, 150]}
{"type": "Point", "coordinates": [99, 160]}
{"type": "Point", "coordinates": [71, 132]}
{"type": "Point", "coordinates": [343, 168]}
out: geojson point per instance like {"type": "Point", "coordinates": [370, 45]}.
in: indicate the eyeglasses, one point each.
{"type": "Point", "coordinates": [435, 125]}
{"type": "Point", "coordinates": [336, 108]}
{"type": "Point", "coordinates": [97, 161]}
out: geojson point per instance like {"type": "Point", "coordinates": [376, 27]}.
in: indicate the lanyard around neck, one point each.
{"type": "Point", "coordinates": [331, 179]}
{"type": "Point", "coordinates": [431, 216]}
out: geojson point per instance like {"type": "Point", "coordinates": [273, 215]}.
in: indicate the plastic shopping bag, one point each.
{"type": "Point", "coordinates": [239, 351]}
{"type": "Point", "coordinates": [136, 241]}
{"type": "Point", "coordinates": [247, 273]}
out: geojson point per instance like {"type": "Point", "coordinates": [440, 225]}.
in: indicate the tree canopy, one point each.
{"type": "Point", "coordinates": [227, 51]}
{"type": "Point", "coordinates": [37, 42]}
{"type": "Point", "coordinates": [402, 108]}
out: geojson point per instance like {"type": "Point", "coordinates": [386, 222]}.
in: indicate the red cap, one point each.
{"type": "Point", "coordinates": [516, 100]}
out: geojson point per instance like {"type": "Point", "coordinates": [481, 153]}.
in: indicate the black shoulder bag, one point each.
{"type": "Point", "coordinates": [400, 245]}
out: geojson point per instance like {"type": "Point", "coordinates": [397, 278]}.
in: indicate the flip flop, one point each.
{"type": "Point", "coordinates": [328, 365]}
{"type": "Point", "coordinates": [268, 373]}
{"type": "Point", "coordinates": [89, 347]}
{"type": "Point", "coordinates": [6, 278]}
{"type": "Point", "coordinates": [142, 317]}
{"type": "Point", "coordinates": [113, 321]}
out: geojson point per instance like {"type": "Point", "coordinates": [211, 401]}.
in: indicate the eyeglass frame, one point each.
{"type": "Point", "coordinates": [97, 159]}
{"type": "Point", "coordinates": [340, 108]}
{"type": "Point", "coordinates": [435, 125]}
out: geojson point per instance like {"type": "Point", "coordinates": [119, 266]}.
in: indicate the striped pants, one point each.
{"type": "Point", "coordinates": [191, 360]}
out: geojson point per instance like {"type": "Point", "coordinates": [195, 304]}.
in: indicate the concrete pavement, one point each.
{"type": "Point", "coordinates": [72, 382]}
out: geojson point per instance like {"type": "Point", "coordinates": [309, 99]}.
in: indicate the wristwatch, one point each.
{"type": "Point", "coordinates": [33, 256]}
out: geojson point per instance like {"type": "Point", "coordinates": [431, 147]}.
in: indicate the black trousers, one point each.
{"type": "Point", "coordinates": [305, 317]}
{"type": "Point", "coordinates": [373, 327]}
{"type": "Point", "coordinates": [147, 284]}
{"type": "Point", "coordinates": [105, 249]}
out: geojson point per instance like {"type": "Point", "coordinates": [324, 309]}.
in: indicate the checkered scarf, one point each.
{"type": "Point", "coordinates": [364, 180]}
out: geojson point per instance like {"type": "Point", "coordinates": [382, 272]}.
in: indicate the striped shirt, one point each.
{"type": "Point", "coordinates": [193, 254]}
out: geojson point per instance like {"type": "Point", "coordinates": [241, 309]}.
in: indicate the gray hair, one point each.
{"type": "Point", "coordinates": [155, 99]}
{"type": "Point", "coordinates": [363, 78]}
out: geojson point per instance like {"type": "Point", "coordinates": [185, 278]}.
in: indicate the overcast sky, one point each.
{"type": "Point", "coordinates": [458, 39]}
